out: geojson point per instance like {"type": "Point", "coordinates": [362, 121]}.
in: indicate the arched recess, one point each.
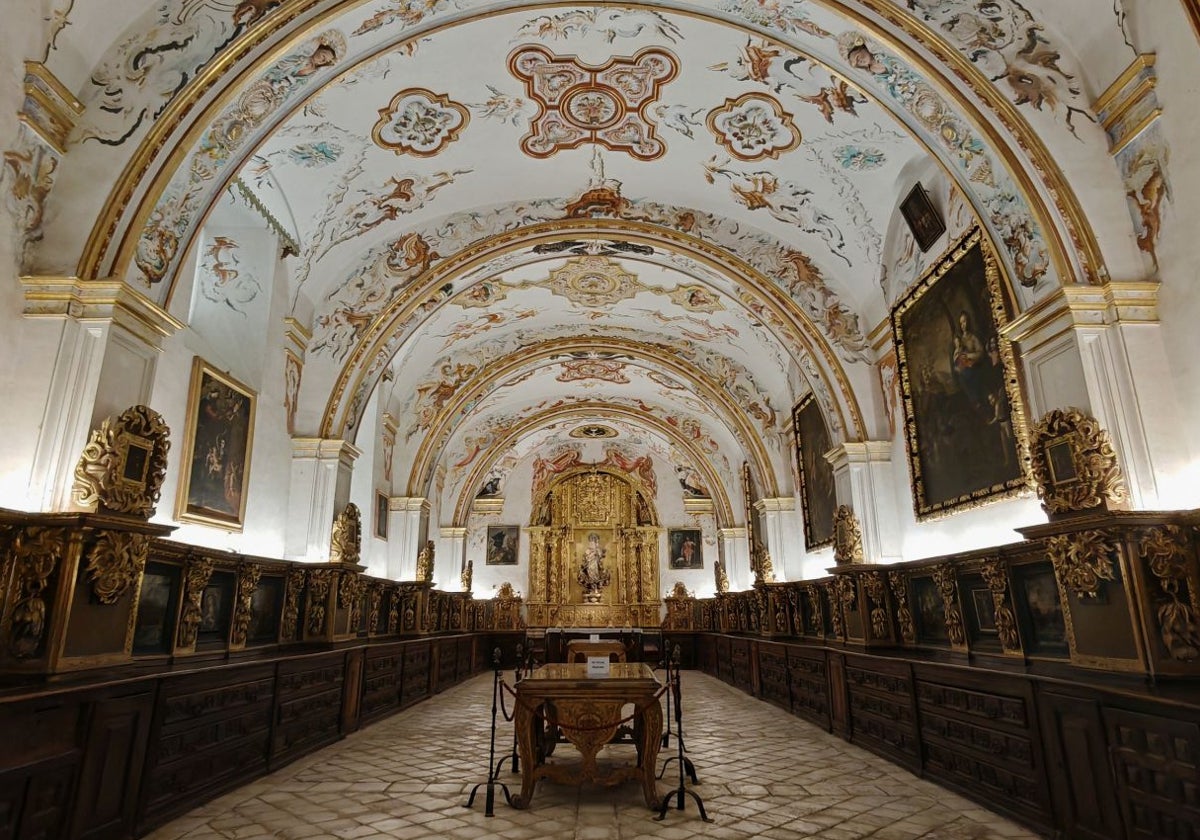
{"type": "Point", "coordinates": [399, 320]}
{"type": "Point", "coordinates": [124, 220]}
{"type": "Point", "coordinates": [588, 411]}
{"type": "Point", "coordinates": [443, 426]}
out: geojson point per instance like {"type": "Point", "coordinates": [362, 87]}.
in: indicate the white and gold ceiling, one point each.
{"type": "Point", "coordinates": [510, 223]}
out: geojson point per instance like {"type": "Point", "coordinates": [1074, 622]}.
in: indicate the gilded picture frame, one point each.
{"type": "Point", "coordinates": [964, 418]}
{"type": "Point", "coordinates": [503, 545]}
{"type": "Point", "coordinates": [217, 445]}
{"type": "Point", "coordinates": [818, 496]}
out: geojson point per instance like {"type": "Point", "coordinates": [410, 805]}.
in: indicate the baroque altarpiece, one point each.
{"type": "Point", "coordinates": [593, 553]}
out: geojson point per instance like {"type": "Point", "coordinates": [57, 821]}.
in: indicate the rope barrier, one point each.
{"type": "Point", "coordinates": [536, 711]}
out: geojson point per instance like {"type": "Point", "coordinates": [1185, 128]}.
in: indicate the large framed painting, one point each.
{"type": "Point", "coordinates": [818, 498]}
{"type": "Point", "coordinates": [685, 546]}
{"type": "Point", "coordinates": [216, 449]}
{"type": "Point", "coordinates": [963, 415]}
{"type": "Point", "coordinates": [502, 544]}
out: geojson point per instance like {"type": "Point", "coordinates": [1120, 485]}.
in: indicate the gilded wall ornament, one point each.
{"type": "Point", "coordinates": [115, 563]}
{"type": "Point", "coordinates": [904, 616]}
{"type": "Point", "coordinates": [764, 568]}
{"type": "Point", "coordinates": [816, 613]}
{"type": "Point", "coordinates": [592, 503]}
{"type": "Point", "coordinates": [36, 553]}
{"type": "Point", "coordinates": [835, 609]}
{"type": "Point", "coordinates": [847, 537]}
{"type": "Point", "coordinates": [995, 575]}
{"type": "Point", "coordinates": [247, 581]}
{"type": "Point", "coordinates": [1166, 552]}
{"type": "Point", "coordinates": [124, 463]}
{"type": "Point", "coordinates": [594, 281]}
{"type": "Point", "coordinates": [425, 563]}
{"type": "Point", "coordinates": [1082, 560]}
{"type": "Point", "coordinates": [291, 604]}
{"type": "Point", "coordinates": [199, 571]}
{"type": "Point", "coordinates": [679, 591]}
{"type": "Point", "coordinates": [467, 576]}
{"type": "Point", "coordinates": [319, 581]}
{"type": "Point", "coordinates": [350, 594]}
{"type": "Point", "coordinates": [944, 578]}
{"type": "Point", "coordinates": [1074, 464]}
{"type": "Point", "coordinates": [876, 592]}
{"type": "Point", "coordinates": [721, 575]}
{"type": "Point", "coordinates": [345, 544]}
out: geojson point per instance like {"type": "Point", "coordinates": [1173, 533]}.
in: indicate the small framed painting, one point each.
{"type": "Point", "coordinates": [502, 543]}
{"type": "Point", "coordinates": [922, 217]}
{"type": "Point", "coordinates": [381, 515]}
{"type": "Point", "coordinates": [686, 552]}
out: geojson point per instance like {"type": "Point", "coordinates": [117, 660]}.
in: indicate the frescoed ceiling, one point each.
{"type": "Point", "coordinates": [530, 216]}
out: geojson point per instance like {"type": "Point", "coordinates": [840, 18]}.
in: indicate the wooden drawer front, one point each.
{"type": "Point", "coordinates": [773, 676]}
{"type": "Point", "coordinates": [881, 714]}
{"type": "Point", "coordinates": [381, 683]}
{"type": "Point", "coordinates": [1158, 782]}
{"type": "Point", "coordinates": [308, 714]}
{"type": "Point", "coordinates": [414, 683]}
{"type": "Point", "coordinates": [809, 680]}
{"type": "Point", "coordinates": [980, 741]}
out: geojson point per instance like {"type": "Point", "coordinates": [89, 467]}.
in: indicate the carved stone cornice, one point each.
{"type": "Point", "coordinates": [115, 563]}
{"type": "Point", "coordinates": [99, 300]}
{"type": "Point", "coordinates": [50, 109]}
{"type": "Point", "coordinates": [1082, 560]}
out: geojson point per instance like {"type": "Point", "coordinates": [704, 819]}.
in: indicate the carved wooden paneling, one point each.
{"type": "Point", "coordinates": [809, 684]}
{"type": "Point", "coordinates": [447, 663]}
{"type": "Point", "coordinates": [1079, 772]}
{"type": "Point", "coordinates": [415, 678]}
{"type": "Point", "coordinates": [881, 710]}
{"type": "Point", "coordinates": [773, 675]}
{"type": "Point", "coordinates": [1155, 763]}
{"type": "Point", "coordinates": [466, 653]}
{"type": "Point", "coordinates": [724, 659]}
{"type": "Point", "coordinates": [309, 706]}
{"type": "Point", "coordinates": [981, 740]}
{"type": "Point", "coordinates": [739, 658]}
{"type": "Point", "coordinates": [381, 681]}
{"type": "Point", "coordinates": [106, 798]}
{"type": "Point", "coordinates": [34, 804]}
{"type": "Point", "coordinates": [210, 733]}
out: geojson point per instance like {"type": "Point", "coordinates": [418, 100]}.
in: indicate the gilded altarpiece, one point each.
{"type": "Point", "coordinates": [593, 553]}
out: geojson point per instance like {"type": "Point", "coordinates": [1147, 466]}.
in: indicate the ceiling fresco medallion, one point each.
{"type": "Point", "coordinates": [581, 103]}
{"type": "Point", "coordinates": [594, 432]}
{"type": "Point", "coordinates": [753, 126]}
{"type": "Point", "coordinates": [594, 281]}
{"type": "Point", "coordinates": [696, 299]}
{"type": "Point", "coordinates": [419, 122]}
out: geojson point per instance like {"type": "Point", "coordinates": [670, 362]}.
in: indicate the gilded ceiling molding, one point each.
{"type": "Point", "coordinates": [71, 297]}
{"type": "Point", "coordinates": [369, 357]}
{"type": "Point", "coordinates": [50, 110]}
{"type": "Point", "coordinates": [419, 122]}
{"type": "Point", "coordinates": [753, 126]}
{"type": "Point", "coordinates": [586, 411]}
{"type": "Point", "coordinates": [109, 224]}
{"type": "Point", "coordinates": [481, 385]}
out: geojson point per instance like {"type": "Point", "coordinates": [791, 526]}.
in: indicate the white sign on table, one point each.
{"type": "Point", "coordinates": [598, 666]}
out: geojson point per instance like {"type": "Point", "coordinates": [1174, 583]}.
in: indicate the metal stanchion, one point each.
{"type": "Point", "coordinates": [682, 790]}
{"type": "Point", "coordinates": [688, 767]}
{"type": "Point", "coordinates": [513, 758]}
{"type": "Point", "coordinates": [490, 801]}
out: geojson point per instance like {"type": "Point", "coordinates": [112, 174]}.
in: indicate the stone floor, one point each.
{"type": "Point", "coordinates": [763, 774]}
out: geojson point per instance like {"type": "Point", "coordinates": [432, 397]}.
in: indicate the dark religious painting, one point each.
{"type": "Point", "coordinates": [381, 515]}
{"type": "Point", "coordinates": [502, 542]}
{"type": "Point", "coordinates": [265, 606]}
{"type": "Point", "coordinates": [155, 623]}
{"type": "Point", "coordinates": [1037, 596]}
{"type": "Point", "coordinates": [963, 419]}
{"type": "Point", "coordinates": [923, 219]}
{"type": "Point", "coordinates": [216, 609]}
{"type": "Point", "coordinates": [930, 613]}
{"type": "Point", "coordinates": [817, 495]}
{"type": "Point", "coordinates": [216, 449]}
{"type": "Point", "coordinates": [684, 545]}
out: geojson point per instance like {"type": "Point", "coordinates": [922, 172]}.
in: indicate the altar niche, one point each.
{"type": "Point", "coordinates": [593, 552]}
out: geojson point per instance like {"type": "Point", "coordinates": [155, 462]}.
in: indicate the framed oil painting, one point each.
{"type": "Point", "coordinates": [216, 449]}
{"type": "Point", "coordinates": [922, 217]}
{"type": "Point", "coordinates": [157, 601]}
{"type": "Point", "coordinates": [818, 498]}
{"type": "Point", "coordinates": [963, 416]}
{"type": "Point", "coordinates": [685, 547]}
{"type": "Point", "coordinates": [502, 543]}
{"type": "Point", "coordinates": [381, 515]}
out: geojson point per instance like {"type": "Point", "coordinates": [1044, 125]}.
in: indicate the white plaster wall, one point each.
{"type": "Point", "coordinates": [365, 481]}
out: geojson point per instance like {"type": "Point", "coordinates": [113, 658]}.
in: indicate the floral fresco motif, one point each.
{"type": "Point", "coordinates": [696, 299]}
{"type": "Point", "coordinates": [583, 369]}
{"type": "Point", "coordinates": [433, 395]}
{"type": "Point", "coordinates": [680, 118]}
{"type": "Point", "coordinates": [1003, 39]}
{"type": "Point", "coordinates": [504, 107]}
{"type": "Point", "coordinates": [405, 12]}
{"type": "Point", "coordinates": [27, 177]}
{"type": "Point", "coordinates": [139, 76]}
{"type": "Point", "coordinates": [168, 224]}
{"type": "Point", "coordinates": [581, 104]}
{"type": "Point", "coordinates": [593, 281]}
{"type": "Point", "coordinates": [419, 122]}
{"type": "Point", "coordinates": [224, 280]}
{"type": "Point", "coordinates": [1143, 169]}
{"type": "Point", "coordinates": [753, 126]}
{"type": "Point", "coordinates": [610, 23]}
{"type": "Point", "coordinates": [781, 15]}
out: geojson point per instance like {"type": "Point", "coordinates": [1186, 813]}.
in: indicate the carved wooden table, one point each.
{"type": "Point", "coordinates": [580, 649]}
{"type": "Point", "coordinates": [587, 710]}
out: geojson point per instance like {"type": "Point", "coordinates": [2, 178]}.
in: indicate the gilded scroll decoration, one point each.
{"type": "Point", "coordinates": [764, 569]}
{"type": "Point", "coordinates": [904, 616]}
{"type": "Point", "coordinates": [425, 563]}
{"type": "Point", "coordinates": [816, 617]}
{"type": "Point", "coordinates": [944, 579]}
{"type": "Point", "coordinates": [319, 581]}
{"type": "Point", "coordinates": [345, 545]}
{"type": "Point", "coordinates": [291, 603]}
{"type": "Point", "coordinates": [835, 609]}
{"type": "Point", "coordinates": [995, 575]}
{"type": "Point", "coordinates": [592, 499]}
{"type": "Point", "coordinates": [115, 563]}
{"type": "Point", "coordinates": [1083, 560]}
{"type": "Point", "coordinates": [36, 553]}
{"type": "Point", "coordinates": [247, 581]}
{"type": "Point", "coordinates": [721, 575]}
{"type": "Point", "coordinates": [1074, 464]}
{"type": "Point", "coordinates": [350, 593]}
{"type": "Point", "coordinates": [124, 463]}
{"type": "Point", "coordinates": [374, 605]}
{"type": "Point", "coordinates": [1165, 552]}
{"type": "Point", "coordinates": [199, 571]}
{"type": "Point", "coordinates": [466, 578]}
{"type": "Point", "coordinates": [876, 592]}
{"type": "Point", "coordinates": [847, 537]}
